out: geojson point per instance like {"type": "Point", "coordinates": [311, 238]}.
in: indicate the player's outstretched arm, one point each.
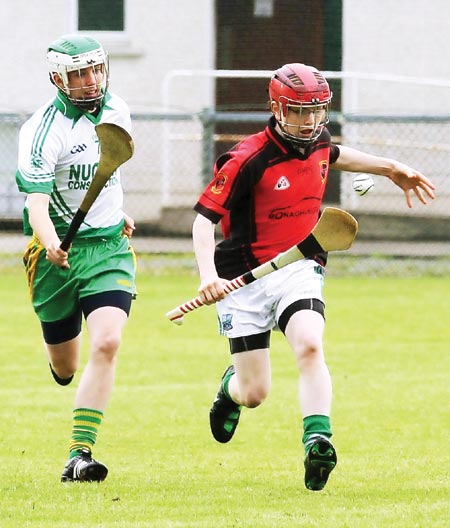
{"type": "Point", "coordinates": [402, 175]}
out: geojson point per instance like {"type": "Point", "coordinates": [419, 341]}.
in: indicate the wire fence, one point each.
{"type": "Point", "coordinates": [175, 151]}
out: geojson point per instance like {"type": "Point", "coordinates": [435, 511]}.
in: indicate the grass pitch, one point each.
{"type": "Point", "coordinates": [386, 342]}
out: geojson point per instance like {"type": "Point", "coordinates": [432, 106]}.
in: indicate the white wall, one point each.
{"type": "Point", "coordinates": [161, 36]}
{"type": "Point", "coordinates": [399, 38]}
{"type": "Point", "coordinates": [395, 37]}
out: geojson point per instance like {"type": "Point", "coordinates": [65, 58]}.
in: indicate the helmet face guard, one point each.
{"type": "Point", "coordinates": [302, 98]}
{"type": "Point", "coordinates": [76, 60]}
{"type": "Point", "coordinates": [315, 116]}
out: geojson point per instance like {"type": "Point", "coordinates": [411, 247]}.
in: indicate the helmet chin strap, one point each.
{"type": "Point", "coordinates": [87, 105]}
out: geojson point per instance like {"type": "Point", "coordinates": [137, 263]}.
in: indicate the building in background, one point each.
{"type": "Point", "coordinates": [162, 59]}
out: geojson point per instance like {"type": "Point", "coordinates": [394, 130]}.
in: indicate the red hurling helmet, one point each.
{"type": "Point", "coordinates": [302, 89]}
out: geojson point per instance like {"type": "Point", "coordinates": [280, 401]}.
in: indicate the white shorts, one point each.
{"type": "Point", "coordinates": [256, 308]}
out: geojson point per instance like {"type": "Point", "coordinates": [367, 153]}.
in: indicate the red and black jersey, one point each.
{"type": "Point", "coordinates": [267, 196]}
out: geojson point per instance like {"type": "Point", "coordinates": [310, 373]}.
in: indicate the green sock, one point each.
{"type": "Point", "coordinates": [316, 424]}
{"type": "Point", "coordinates": [84, 429]}
{"type": "Point", "coordinates": [225, 382]}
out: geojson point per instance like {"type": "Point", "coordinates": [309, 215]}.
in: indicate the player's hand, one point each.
{"type": "Point", "coordinates": [129, 226]}
{"type": "Point", "coordinates": [57, 256]}
{"type": "Point", "coordinates": [409, 180]}
{"type": "Point", "coordinates": [212, 290]}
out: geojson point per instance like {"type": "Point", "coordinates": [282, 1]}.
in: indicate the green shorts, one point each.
{"type": "Point", "coordinates": [96, 266]}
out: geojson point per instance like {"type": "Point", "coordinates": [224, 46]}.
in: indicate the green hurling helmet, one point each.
{"type": "Point", "coordinates": [85, 56]}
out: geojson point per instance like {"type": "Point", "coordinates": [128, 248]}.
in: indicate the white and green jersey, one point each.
{"type": "Point", "coordinates": [59, 154]}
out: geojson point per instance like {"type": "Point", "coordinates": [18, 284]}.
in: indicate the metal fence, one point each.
{"type": "Point", "coordinates": [174, 156]}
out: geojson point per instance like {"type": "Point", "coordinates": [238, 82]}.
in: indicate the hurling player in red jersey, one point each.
{"type": "Point", "coordinates": [267, 192]}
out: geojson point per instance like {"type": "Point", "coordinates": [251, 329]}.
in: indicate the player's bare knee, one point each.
{"type": "Point", "coordinates": [307, 353]}
{"type": "Point", "coordinates": [106, 347]}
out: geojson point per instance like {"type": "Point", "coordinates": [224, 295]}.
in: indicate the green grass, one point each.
{"type": "Point", "coordinates": [387, 344]}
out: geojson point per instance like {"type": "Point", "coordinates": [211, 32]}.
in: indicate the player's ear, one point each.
{"type": "Point", "coordinates": [275, 108]}
{"type": "Point", "coordinates": [56, 80]}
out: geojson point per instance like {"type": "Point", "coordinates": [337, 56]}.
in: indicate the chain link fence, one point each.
{"type": "Point", "coordinates": [173, 160]}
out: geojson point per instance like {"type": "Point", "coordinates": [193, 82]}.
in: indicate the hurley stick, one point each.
{"type": "Point", "coordinates": [335, 231]}
{"type": "Point", "coordinates": [116, 147]}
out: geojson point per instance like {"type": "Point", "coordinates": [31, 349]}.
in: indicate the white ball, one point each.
{"type": "Point", "coordinates": [363, 183]}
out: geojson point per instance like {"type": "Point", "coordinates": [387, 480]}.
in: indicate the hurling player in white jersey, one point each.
{"type": "Point", "coordinates": [95, 279]}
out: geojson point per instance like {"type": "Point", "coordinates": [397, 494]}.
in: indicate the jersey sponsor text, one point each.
{"type": "Point", "coordinates": [80, 177]}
